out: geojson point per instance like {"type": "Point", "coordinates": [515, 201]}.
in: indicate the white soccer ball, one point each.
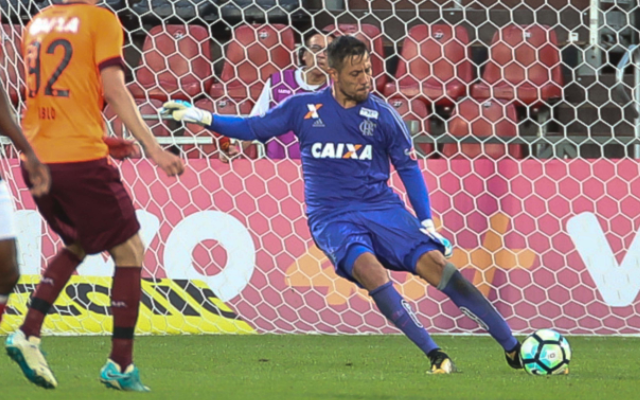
{"type": "Point", "coordinates": [546, 352]}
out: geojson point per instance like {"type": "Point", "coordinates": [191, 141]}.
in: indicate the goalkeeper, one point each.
{"type": "Point", "coordinates": [347, 138]}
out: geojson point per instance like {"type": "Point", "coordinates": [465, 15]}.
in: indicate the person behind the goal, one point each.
{"type": "Point", "coordinates": [310, 77]}
{"type": "Point", "coordinates": [73, 57]}
{"type": "Point", "coordinates": [347, 138]}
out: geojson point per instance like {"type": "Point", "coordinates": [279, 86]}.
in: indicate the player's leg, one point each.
{"type": "Point", "coordinates": [120, 372]}
{"type": "Point", "coordinates": [23, 346]}
{"type": "Point", "coordinates": [9, 273]}
{"type": "Point", "coordinates": [347, 241]}
{"type": "Point", "coordinates": [93, 196]}
{"type": "Point", "coordinates": [435, 269]}
{"type": "Point", "coordinates": [372, 275]}
{"type": "Point", "coordinates": [54, 279]}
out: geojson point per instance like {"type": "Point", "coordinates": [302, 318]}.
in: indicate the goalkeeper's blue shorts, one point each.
{"type": "Point", "coordinates": [392, 235]}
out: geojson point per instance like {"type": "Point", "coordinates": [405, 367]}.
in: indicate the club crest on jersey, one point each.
{"type": "Point", "coordinates": [367, 127]}
{"type": "Point", "coordinates": [341, 151]}
{"type": "Point", "coordinates": [313, 114]}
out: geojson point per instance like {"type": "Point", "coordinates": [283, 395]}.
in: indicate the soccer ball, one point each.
{"type": "Point", "coordinates": [545, 352]}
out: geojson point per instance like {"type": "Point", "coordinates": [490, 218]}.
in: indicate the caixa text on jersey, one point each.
{"type": "Point", "coordinates": [341, 150]}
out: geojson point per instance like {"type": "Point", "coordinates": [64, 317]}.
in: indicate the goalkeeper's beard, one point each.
{"type": "Point", "coordinates": [355, 98]}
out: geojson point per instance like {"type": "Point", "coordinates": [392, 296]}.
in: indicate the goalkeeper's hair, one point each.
{"type": "Point", "coordinates": [345, 47]}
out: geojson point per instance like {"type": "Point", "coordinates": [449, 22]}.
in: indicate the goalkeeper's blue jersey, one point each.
{"type": "Point", "coordinates": [345, 153]}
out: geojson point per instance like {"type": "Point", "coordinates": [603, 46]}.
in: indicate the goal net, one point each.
{"type": "Point", "coordinates": [523, 115]}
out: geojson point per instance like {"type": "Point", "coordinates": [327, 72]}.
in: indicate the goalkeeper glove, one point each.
{"type": "Point", "coordinates": [430, 230]}
{"type": "Point", "coordinates": [184, 111]}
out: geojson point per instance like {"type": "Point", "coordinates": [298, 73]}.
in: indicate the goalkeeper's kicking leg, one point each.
{"type": "Point", "coordinates": [370, 273]}
{"type": "Point", "coordinates": [434, 268]}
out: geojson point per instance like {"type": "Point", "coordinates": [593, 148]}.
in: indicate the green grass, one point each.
{"type": "Point", "coordinates": [327, 367]}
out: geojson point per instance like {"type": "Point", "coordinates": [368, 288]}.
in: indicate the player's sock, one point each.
{"type": "Point", "coordinates": [125, 302]}
{"type": "Point", "coordinates": [474, 305]}
{"type": "Point", "coordinates": [398, 311]}
{"type": "Point", "coordinates": [53, 281]}
{"type": "Point", "coordinates": [4, 298]}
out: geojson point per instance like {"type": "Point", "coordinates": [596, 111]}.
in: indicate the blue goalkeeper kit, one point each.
{"type": "Point", "coordinates": [345, 160]}
{"type": "Point", "coordinates": [352, 210]}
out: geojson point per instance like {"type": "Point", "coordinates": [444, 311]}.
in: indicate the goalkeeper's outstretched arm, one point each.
{"type": "Point", "coordinates": [275, 122]}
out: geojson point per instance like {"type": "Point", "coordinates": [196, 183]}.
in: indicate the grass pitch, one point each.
{"type": "Point", "coordinates": [327, 367]}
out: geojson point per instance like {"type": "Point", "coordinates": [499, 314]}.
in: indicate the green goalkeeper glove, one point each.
{"type": "Point", "coordinates": [184, 111]}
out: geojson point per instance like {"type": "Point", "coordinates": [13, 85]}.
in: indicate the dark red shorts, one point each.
{"type": "Point", "coordinates": [89, 205]}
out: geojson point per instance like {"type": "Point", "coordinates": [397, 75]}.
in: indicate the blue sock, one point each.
{"type": "Point", "coordinates": [398, 311]}
{"type": "Point", "coordinates": [475, 306]}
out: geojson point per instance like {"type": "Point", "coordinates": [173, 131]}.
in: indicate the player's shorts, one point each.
{"type": "Point", "coordinates": [392, 235]}
{"type": "Point", "coordinates": [88, 204]}
{"type": "Point", "coordinates": [7, 224]}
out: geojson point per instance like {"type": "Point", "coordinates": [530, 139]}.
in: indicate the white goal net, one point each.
{"type": "Point", "coordinates": [523, 114]}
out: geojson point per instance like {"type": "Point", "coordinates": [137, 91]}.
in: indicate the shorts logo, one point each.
{"type": "Point", "coordinates": [341, 151]}
{"type": "Point", "coordinates": [367, 127]}
{"type": "Point", "coordinates": [284, 91]}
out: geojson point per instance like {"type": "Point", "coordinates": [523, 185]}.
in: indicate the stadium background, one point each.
{"type": "Point", "coordinates": [527, 143]}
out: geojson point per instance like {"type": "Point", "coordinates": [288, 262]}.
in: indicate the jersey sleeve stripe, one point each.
{"type": "Point", "coordinates": [110, 62]}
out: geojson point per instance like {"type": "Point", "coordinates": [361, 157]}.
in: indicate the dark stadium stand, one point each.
{"type": "Point", "coordinates": [176, 10]}
{"type": "Point", "coordinates": [387, 26]}
{"type": "Point", "coordinates": [262, 10]}
{"type": "Point", "coordinates": [13, 10]}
